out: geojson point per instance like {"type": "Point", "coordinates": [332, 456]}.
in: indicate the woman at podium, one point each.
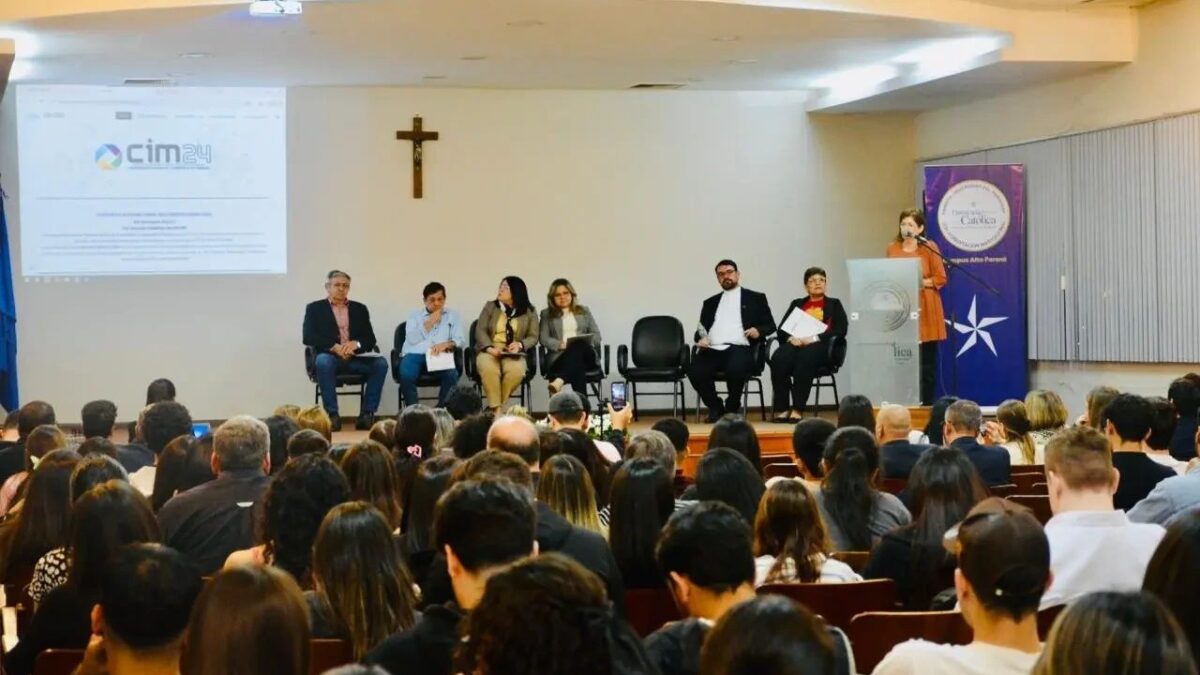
{"type": "Point", "coordinates": [795, 363]}
{"type": "Point", "coordinates": [910, 242]}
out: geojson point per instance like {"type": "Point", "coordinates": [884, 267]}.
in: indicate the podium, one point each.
{"type": "Point", "coordinates": [884, 340]}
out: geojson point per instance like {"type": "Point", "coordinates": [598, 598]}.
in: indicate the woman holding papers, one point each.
{"type": "Point", "coordinates": [804, 345]}
{"type": "Point", "coordinates": [570, 336]}
{"type": "Point", "coordinates": [910, 242]}
{"type": "Point", "coordinates": [506, 329]}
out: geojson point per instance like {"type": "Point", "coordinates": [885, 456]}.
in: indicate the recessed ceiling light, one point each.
{"type": "Point", "coordinates": [195, 55]}
{"type": "Point", "coordinates": [525, 23]}
{"type": "Point", "coordinates": [434, 77]}
{"type": "Point", "coordinates": [742, 62]}
{"type": "Point", "coordinates": [726, 38]}
{"type": "Point", "coordinates": [472, 58]}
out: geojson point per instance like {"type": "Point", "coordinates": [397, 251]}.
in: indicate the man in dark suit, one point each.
{"type": "Point", "coordinates": [339, 331]}
{"type": "Point", "coordinates": [961, 430]}
{"type": "Point", "coordinates": [31, 416]}
{"type": "Point", "coordinates": [896, 454]}
{"type": "Point", "coordinates": [732, 323]}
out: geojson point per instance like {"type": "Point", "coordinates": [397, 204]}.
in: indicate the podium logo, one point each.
{"type": "Point", "coordinates": [108, 157]}
{"type": "Point", "coordinates": [974, 215]}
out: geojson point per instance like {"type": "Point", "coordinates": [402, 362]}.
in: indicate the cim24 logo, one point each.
{"type": "Point", "coordinates": [151, 155]}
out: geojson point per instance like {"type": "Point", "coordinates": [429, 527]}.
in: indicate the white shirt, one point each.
{"type": "Point", "coordinates": [1097, 551]}
{"type": "Point", "coordinates": [977, 658]}
{"type": "Point", "coordinates": [1167, 460]}
{"type": "Point", "coordinates": [832, 571]}
{"type": "Point", "coordinates": [569, 327]}
{"type": "Point", "coordinates": [143, 479]}
{"type": "Point", "coordinates": [727, 326]}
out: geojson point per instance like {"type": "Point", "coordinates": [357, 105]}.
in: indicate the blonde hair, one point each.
{"type": "Point", "coordinates": [1045, 410]}
{"type": "Point", "coordinates": [1012, 416]}
{"type": "Point", "coordinates": [383, 432]}
{"type": "Point", "coordinates": [553, 308]}
{"type": "Point", "coordinates": [1081, 457]}
{"type": "Point", "coordinates": [566, 487]}
{"type": "Point", "coordinates": [288, 410]}
{"type": "Point", "coordinates": [314, 417]}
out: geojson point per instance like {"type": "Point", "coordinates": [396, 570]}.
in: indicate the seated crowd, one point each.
{"type": "Point", "coordinates": [460, 540]}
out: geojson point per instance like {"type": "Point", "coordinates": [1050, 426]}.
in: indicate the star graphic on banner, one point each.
{"type": "Point", "coordinates": [974, 330]}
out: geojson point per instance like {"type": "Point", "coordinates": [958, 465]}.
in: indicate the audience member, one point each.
{"type": "Point", "coordinates": [142, 612]}
{"type": "Point", "coordinates": [248, 621]}
{"type": "Point", "coordinates": [470, 436]}
{"type": "Point", "coordinates": [771, 635]}
{"type": "Point", "coordinates": [416, 544]}
{"type": "Point", "coordinates": [481, 526]}
{"type": "Point", "coordinates": [855, 514]}
{"type": "Point", "coordinates": [103, 520]}
{"type": "Point", "coordinates": [416, 429]}
{"type": "Point", "coordinates": [1003, 570]}
{"type": "Point", "coordinates": [160, 423]}
{"type": "Point", "coordinates": [548, 615]}
{"type": "Point", "coordinates": [383, 432]}
{"type": "Point", "coordinates": [39, 443]}
{"type": "Point", "coordinates": [657, 446]}
{"type": "Point", "coordinates": [281, 428]}
{"type": "Point", "coordinates": [1093, 546]}
{"type": "Point", "coordinates": [362, 590]}
{"type": "Point", "coordinates": [31, 416]}
{"type": "Point", "coordinates": [314, 417]}
{"type": "Point", "coordinates": [566, 487]}
{"type": "Point", "coordinates": [1185, 396]}
{"type": "Point", "coordinates": [677, 431]}
{"type": "Point", "coordinates": [1047, 415]}
{"type": "Point", "coordinates": [445, 430]}
{"type": "Point", "coordinates": [1171, 575]}
{"type": "Point", "coordinates": [855, 410]}
{"type": "Point", "coordinates": [463, 401]}
{"type": "Point", "coordinates": [549, 443]}
{"type": "Point", "coordinates": [808, 445]}
{"type": "Point", "coordinates": [1129, 420]}
{"type": "Point", "coordinates": [568, 410]}
{"type": "Point", "coordinates": [41, 524]}
{"type": "Point", "coordinates": [212, 520]}
{"type": "Point", "coordinates": [371, 475]}
{"type": "Point", "coordinates": [1162, 430]}
{"type": "Point", "coordinates": [306, 442]}
{"type": "Point", "coordinates": [732, 431]}
{"type": "Point", "coordinates": [93, 471]}
{"type": "Point", "coordinates": [517, 435]}
{"type": "Point", "coordinates": [961, 430]}
{"type": "Point", "coordinates": [1012, 423]}
{"type": "Point", "coordinates": [579, 445]}
{"type": "Point", "coordinates": [289, 410]}
{"type": "Point", "coordinates": [643, 499]}
{"type": "Point", "coordinates": [98, 419]}
{"type": "Point", "coordinates": [1116, 634]}
{"type": "Point", "coordinates": [297, 500]}
{"type": "Point", "coordinates": [790, 542]}
{"type": "Point", "coordinates": [937, 421]}
{"type": "Point", "coordinates": [1097, 400]}
{"type": "Point", "coordinates": [897, 454]}
{"type": "Point", "coordinates": [1172, 498]}
{"type": "Point", "coordinates": [97, 446]}
{"type": "Point", "coordinates": [725, 475]}
{"type": "Point", "coordinates": [185, 463]}
{"type": "Point", "coordinates": [944, 487]}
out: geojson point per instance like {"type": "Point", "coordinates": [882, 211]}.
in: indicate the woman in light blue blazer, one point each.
{"type": "Point", "coordinates": [570, 336]}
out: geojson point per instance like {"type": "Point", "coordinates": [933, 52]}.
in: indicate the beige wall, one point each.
{"type": "Point", "coordinates": [1160, 81]}
{"type": "Point", "coordinates": [632, 195]}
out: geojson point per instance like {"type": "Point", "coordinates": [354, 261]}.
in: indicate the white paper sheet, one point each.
{"type": "Point", "coordinates": [438, 362]}
{"type": "Point", "coordinates": [801, 324]}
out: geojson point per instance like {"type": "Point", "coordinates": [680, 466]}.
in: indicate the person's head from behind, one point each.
{"type": "Point", "coordinates": [943, 487]}
{"type": "Point", "coordinates": [855, 410]}
{"type": "Point", "coordinates": [97, 446]}
{"type": "Point", "coordinates": [358, 573]}
{"type": "Point", "coordinates": [289, 410]}
{"type": "Point", "coordinates": [1184, 394]}
{"type": "Point", "coordinates": [706, 554]}
{"type": "Point", "coordinates": [657, 446]}
{"type": "Point", "coordinates": [42, 441]}
{"type": "Point", "coordinates": [463, 401]}
{"type": "Point", "coordinates": [1171, 575]}
{"type": "Point", "coordinates": [850, 461]}
{"type": "Point", "coordinates": [98, 418]}
{"type": "Point", "coordinates": [735, 433]}
{"type": "Point", "coordinates": [371, 474]}
{"type": "Point", "coordinates": [160, 390]}
{"type": "Point", "coordinates": [162, 422]}
{"type": "Point", "coordinates": [93, 471]}
{"type": "Point", "coordinates": [33, 415]}
{"type": "Point", "coordinates": [305, 442]}
{"type": "Point", "coordinates": [185, 463]}
{"type": "Point", "coordinates": [242, 443]}
{"type": "Point", "coordinates": [893, 424]}
{"type": "Point", "coordinates": [314, 417]}
{"type": "Point", "coordinates": [789, 528]}
{"type": "Point", "coordinates": [567, 410]}
{"type": "Point", "coordinates": [280, 429]}
{"type": "Point", "coordinates": [445, 429]}
{"type": "Point", "coordinates": [725, 475]}
{"type": "Point", "coordinates": [579, 445]}
{"type": "Point", "coordinates": [1014, 420]}
{"type": "Point", "coordinates": [429, 484]}
{"type": "Point", "coordinates": [415, 430]}
{"type": "Point", "coordinates": [481, 525]}
{"type": "Point", "coordinates": [42, 523]}
{"type": "Point", "coordinates": [517, 435]}
{"type": "Point", "coordinates": [565, 486]}
{"type": "Point", "coordinates": [1116, 634]}
{"type": "Point", "coordinates": [248, 620]}
{"type": "Point", "coordinates": [1003, 563]}
{"type": "Point", "coordinates": [676, 430]}
{"type": "Point", "coordinates": [1079, 471]}
{"type": "Point", "coordinates": [1097, 400]}
{"type": "Point", "coordinates": [1128, 419]}
{"type": "Point", "coordinates": [144, 605]}
{"type": "Point", "coordinates": [808, 444]}
{"type": "Point", "coordinates": [937, 419]}
{"type": "Point", "coordinates": [1046, 410]}
{"type": "Point", "coordinates": [470, 436]}
{"type": "Point", "coordinates": [104, 519]}
{"type": "Point", "coordinates": [297, 500]}
{"type": "Point", "coordinates": [642, 500]}
{"type": "Point", "coordinates": [769, 635]}
{"type": "Point", "coordinates": [549, 444]}
{"type": "Point", "coordinates": [1163, 423]}
{"type": "Point", "coordinates": [964, 419]}
{"type": "Point", "coordinates": [496, 464]}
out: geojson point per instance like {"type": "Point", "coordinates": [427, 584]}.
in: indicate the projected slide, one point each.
{"type": "Point", "coordinates": [130, 180]}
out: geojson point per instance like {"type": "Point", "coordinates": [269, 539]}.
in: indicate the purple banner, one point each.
{"type": "Point", "coordinates": [976, 214]}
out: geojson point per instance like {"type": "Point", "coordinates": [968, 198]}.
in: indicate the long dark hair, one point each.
{"type": "Point", "coordinates": [104, 519]}
{"type": "Point", "coordinates": [520, 297]}
{"type": "Point", "coordinates": [725, 475]}
{"type": "Point", "coordinates": [416, 427]}
{"type": "Point", "coordinates": [937, 419]}
{"type": "Point", "coordinates": [769, 635]}
{"type": "Point", "coordinates": [371, 474]}
{"type": "Point", "coordinates": [851, 458]}
{"type": "Point", "coordinates": [789, 528]}
{"type": "Point", "coordinates": [432, 479]}
{"type": "Point", "coordinates": [856, 410]}
{"type": "Point", "coordinates": [944, 486]}
{"type": "Point", "coordinates": [183, 464]}
{"type": "Point", "coordinates": [42, 523]}
{"type": "Point", "coordinates": [581, 446]}
{"type": "Point", "coordinates": [642, 500]}
{"type": "Point", "coordinates": [297, 500]}
{"type": "Point", "coordinates": [735, 433]}
{"type": "Point", "coordinates": [360, 577]}
{"type": "Point", "coordinates": [1171, 575]}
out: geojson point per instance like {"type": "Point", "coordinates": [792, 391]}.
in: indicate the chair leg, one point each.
{"type": "Point", "coordinates": [762, 401]}
{"type": "Point", "coordinates": [833, 379]}
{"type": "Point", "coordinates": [633, 399]}
{"type": "Point", "coordinates": [816, 393]}
{"type": "Point", "coordinates": [316, 395]}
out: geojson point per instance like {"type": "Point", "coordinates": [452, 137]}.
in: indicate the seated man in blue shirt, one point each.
{"type": "Point", "coordinates": [430, 329]}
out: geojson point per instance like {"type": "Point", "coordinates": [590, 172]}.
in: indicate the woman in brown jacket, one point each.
{"type": "Point", "coordinates": [507, 328]}
{"type": "Point", "coordinates": [933, 277]}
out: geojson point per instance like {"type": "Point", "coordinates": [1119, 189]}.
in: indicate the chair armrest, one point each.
{"type": "Point", "coordinates": [394, 360]}
{"type": "Point", "coordinates": [542, 355]}
{"type": "Point", "coordinates": [622, 358]}
{"type": "Point", "coordinates": [310, 362]}
{"type": "Point", "coordinates": [604, 361]}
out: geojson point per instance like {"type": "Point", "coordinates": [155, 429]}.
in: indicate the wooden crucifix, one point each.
{"type": "Point", "coordinates": [418, 136]}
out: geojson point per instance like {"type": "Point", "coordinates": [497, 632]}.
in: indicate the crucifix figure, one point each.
{"type": "Point", "coordinates": [418, 136]}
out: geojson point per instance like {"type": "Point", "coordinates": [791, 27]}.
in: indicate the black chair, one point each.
{"type": "Point", "coordinates": [524, 392]}
{"type": "Point", "coordinates": [595, 376]}
{"type": "Point", "coordinates": [761, 350]}
{"type": "Point", "coordinates": [346, 382]}
{"type": "Point", "coordinates": [659, 356]}
{"type": "Point", "coordinates": [425, 379]}
{"type": "Point", "coordinates": [837, 359]}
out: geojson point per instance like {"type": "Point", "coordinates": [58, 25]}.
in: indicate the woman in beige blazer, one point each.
{"type": "Point", "coordinates": [507, 328]}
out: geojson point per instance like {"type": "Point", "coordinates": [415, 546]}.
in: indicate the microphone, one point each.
{"type": "Point", "coordinates": [921, 239]}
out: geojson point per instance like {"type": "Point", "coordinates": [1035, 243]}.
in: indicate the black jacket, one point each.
{"type": "Point", "coordinates": [1183, 441]}
{"type": "Point", "coordinates": [321, 331]}
{"type": "Point", "coordinates": [897, 458]}
{"type": "Point", "coordinates": [839, 324]}
{"type": "Point", "coordinates": [756, 313]}
{"type": "Point", "coordinates": [12, 461]}
{"type": "Point", "coordinates": [675, 648]}
{"type": "Point", "coordinates": [994, 464]}
{"type": "Point", "coordinates": [134, 456]}
{"type": "Point", "coordinates": [426, 649]}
